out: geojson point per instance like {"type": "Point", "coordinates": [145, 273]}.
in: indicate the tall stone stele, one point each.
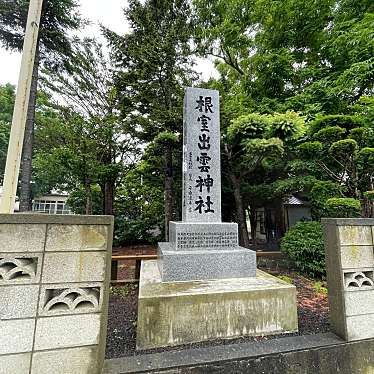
{"type": "Point", "coordinates": [203, 285]}
{"type": "Point", "coordinates": [201, 246]}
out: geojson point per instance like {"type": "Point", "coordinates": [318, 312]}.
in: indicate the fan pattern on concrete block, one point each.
{"type": "Point", "coordinates": [359, 279]}
{"type": "Point", "coordinates": [18, 269]}
{"type": "Point", "coordinates": [76, 299]}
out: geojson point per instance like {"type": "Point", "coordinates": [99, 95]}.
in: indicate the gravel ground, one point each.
{"type": "Point", "coordinates": [312, 313]}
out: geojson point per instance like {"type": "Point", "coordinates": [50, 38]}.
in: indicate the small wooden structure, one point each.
{"type": "Point", "coordinates": [126, 254]}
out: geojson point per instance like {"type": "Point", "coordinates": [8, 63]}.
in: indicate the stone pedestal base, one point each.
{"type": "Point", "coordinates": [186, 312]}
{"type": "Point", "coordinates": [176, 266]}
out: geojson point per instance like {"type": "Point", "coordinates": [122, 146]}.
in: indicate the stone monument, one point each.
{"type": "Point", "coordinates": [204, 285]}
{"type": "Point", "coordinates": [201, 246]}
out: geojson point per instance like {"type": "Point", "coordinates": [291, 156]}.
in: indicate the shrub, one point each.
{"type": "Point", "coordinates": [343, 148]}
{"type": "Point", "coordinates": [319, 194]}
{"type": "Point", "coordinates": [344, 121]}
{"type": "Point", "coordinates": [330, 134]}
{"type": "Point", "coordinates": [343, 207]}
{"type": "Point", "coordinates": [310, 150]}
{"type": "Point", "coordinates": [369, 195]}
{"type": "Point", "coordinates": [303, 243]}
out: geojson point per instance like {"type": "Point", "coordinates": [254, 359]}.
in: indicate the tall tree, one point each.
{"type": "Point", "coordinates": [342, 148]}
{"type": "Point", "coordinates": [315, 57]}
{"type": "Point", "coordinates": [86, 87]}
{"type": "Point", "coordinates": [256, 151]}
{"type": "Point", "coordinates": [154, 63]}
{"type": "Point", "coordinates": [68, 159]}
{"type": "Point", "coordinates": [58, 18]}
{"type": "Point", "coordinates": [266, 49]}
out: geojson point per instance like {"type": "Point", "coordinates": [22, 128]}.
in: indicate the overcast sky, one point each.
{"type": "Point", "coordinates": [107, 12]}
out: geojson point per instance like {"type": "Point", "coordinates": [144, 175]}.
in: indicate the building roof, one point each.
{"type": "Point", "coordinates": [292, 200]}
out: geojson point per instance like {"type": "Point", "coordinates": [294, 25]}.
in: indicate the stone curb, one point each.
{"type": "Point", "coordinates": [205, 356]}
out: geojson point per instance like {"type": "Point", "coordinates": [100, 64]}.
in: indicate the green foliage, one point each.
{"type": "Point", "coordinates": [139, 207]}
{"type": "Point", "coordinates": [339, 148]}
{"type": "Point", "coordinates": [343, 148]}
{"type": "Point", "coordinates": [346, 122]}
{"type": "Point", "coordinates": [90, 148]}
{"type": "Point", "coordinates": [369, 195]}
{"type": "Point", "coordinates": [310, 150]}
{"type": "Point", "coordinates": [4, 139]}
{"type": "Point", "coordinates": [320, 193]}
{"type": "Point", "coordinates": [123, 290]}
{"type": "Point", "coordinates": [7, 98]}
{"type": "Point", "coordinates": [329, 134]}
{"type": "Point", "coordinates": [53, 48]}
{"type": "Point", "coordinates": [343, 208]}
{"type": "Point", "coordinates": [285, 278]}
{"type": "Point", "coordinates": [359, 134]}
{"type": "Point", "coordinates": [134, 231]}
{"type": "Point", "coordinates": [153, 64]}
{"type": "Point", "coordinates": [58, 17]}
{"type": "Point", "coordinates": [286, 126]}
{"type": "Point", "coordinates": [366, 159]}
{"type": "Point", "coordinates": [288, 186]}
{"type": "Point", "coordinates": [77, 200]}
{"type": "Point", "coordinates": [320, 287]}
{"type": "Point", "coordinates": [166, 139]}
{"type": "Point", "coordinates": [315, 58]}
{"type": "Point", "coordinates": [303, 243]}
{"type": "Point", "coordinates": [258, 151]}
{"type": "Point", "coordinates": [247, 126]}
{"type": "Point", "coordinates": [262, 152]}
{"type": "Point", "coordinates": [46, 113]}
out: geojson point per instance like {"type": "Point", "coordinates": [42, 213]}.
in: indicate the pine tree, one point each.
{"type": "Point", "coordinates": [58, 17]}
{"type": "Point", "coordinates": [154, 63]}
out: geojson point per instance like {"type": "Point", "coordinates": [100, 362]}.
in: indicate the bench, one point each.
{"type": "Point", "coordinates": [270, 254]}
{"type": "Point", "coordinates": [128, 255]}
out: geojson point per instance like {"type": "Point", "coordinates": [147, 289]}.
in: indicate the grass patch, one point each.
{"type": "Point", "coordinates": [285, 278]}
{"type": "Point", "coordinates": [123, 290]}
{"type": "Point", "coordinates": [320, 287]}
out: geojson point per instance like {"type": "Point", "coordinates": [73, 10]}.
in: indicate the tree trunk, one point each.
{"type": "Point", "coordinates": [168, 187]}
{"type": "Point", "coordinates": [108, 198]}
{"type": "Point", "coordinates": [367, 208]}
{"type": "Point", "coordinates": [240, 212]}
{"type": "Point", "coordinates": [28, 142]}
{"type": "Point", "coordinates": [279, 220]}
{"type": "Point", "coordinates": [87, 188]}
{"type": "Point", "coordinates": [252, 218]}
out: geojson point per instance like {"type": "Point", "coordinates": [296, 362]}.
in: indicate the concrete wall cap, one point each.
{"type": "Point", "coordinates": [55, 219]}
{"type": "Point", "coordinates": [348, 221]}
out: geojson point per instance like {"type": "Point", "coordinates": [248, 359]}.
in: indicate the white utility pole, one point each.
{"type": "Point", "coordinates": [20, 108]}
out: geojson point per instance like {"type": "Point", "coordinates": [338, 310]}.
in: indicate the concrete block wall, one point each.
{"type": "Point", "coordinates": [54, 290]}
{"type": "Point", "coordinates": [349, 246]}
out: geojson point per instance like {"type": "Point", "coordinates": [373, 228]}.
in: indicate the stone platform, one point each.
{"type": "Point", "coordinates": [174, 313]}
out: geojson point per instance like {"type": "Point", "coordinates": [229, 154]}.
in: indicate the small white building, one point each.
{"type": "Point", "coordinates": [293, 210]}
{"type": "Point", "coordinates": [54, 203]}
{"type": "Point", "coordinates": [296, 210]}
